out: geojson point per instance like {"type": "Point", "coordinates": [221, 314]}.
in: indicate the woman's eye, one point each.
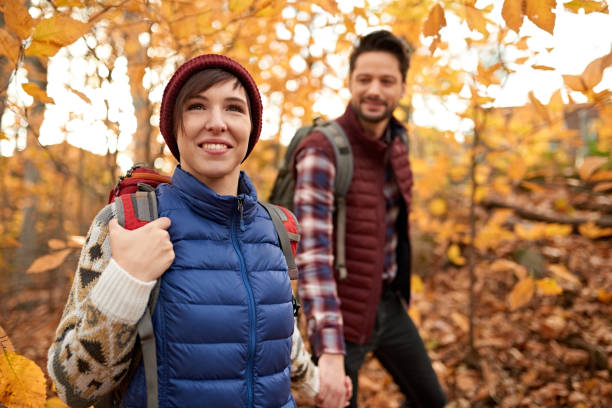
{"type": "Point", "coordinates": [236, 108]}
{"type": "Point", "coordinates": [195, 106]}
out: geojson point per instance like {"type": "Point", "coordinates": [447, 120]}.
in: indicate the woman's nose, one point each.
{"type": "Point", "coordinates": [215, 122]}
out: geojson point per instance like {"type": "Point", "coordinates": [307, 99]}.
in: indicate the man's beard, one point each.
{"type": "Point", "coordinates": [386, 114]}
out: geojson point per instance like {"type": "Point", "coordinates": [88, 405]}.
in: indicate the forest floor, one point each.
{"type": "Point", "coordinates": [555, 351]}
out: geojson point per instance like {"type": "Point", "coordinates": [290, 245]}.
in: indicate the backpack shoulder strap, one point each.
{"type": "Point", "coordinates": [287, 229]}
{"type": "Point", "coordinates": [133, 211]}
{"type": "Point", "coordinates": [344, 174]}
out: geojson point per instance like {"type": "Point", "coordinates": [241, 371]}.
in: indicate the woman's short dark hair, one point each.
{"type": "Point", "coordinates": [197, 84]}
{"type": "Point", "coordinates": [383, 40]}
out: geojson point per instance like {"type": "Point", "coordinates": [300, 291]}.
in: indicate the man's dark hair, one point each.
{"type": "Point", "coordinates": [383, 40]}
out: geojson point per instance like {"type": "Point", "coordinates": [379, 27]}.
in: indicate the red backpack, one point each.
{"type": "Point", "coordinates": [135, 205]}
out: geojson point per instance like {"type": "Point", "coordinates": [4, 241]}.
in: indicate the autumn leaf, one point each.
{"type": "Point", "coordinates": [437, 207]}
{"type": "Point", "coordinates": [574, 82]}
{"type": "Point", "coordinates": [454, 255]}
{"type": "Point", "coordinates": [22, 382]}
{"type": "Point", "coordinates": [9, 46]}
{"type": "Point", "coordinates": [589, 6]}
{"type": "Point", "coordinates": [17, 19]}
{"type": "Point", "coordinates": [604, 296]}
{"type": "Point", "coordinates": [34, 91]}
{"type": "Point", "coordinates": [238, 6]}
{"type": "Point", "coordinates": [435, 21]}
{"type": "Point", "coordinates": [461, 321]}
{"type": "Point", "coordinates": [543, 67]}
{"type": "Point", "coordinates": [592, 231]}
{"type": "Point", "coordinates": [51, 34]}
{"type": "Point", "coordinates": [540, 13]}
{"type": "Point", "coordinates": [80, 95]}
{"type": "Point", "coordinates": [548, 287]}
{"type": "Point", "coordinates": [521, 293]}
{"type": "Point", "coordinates": [503, 265]}
{"type": "Point", "coordinates": [601, 187]}
{"type": "Point", "coordinates": [5, 342]}
{"type": "Point", "coordinates": [416, 284]}
{"type": "Point", "coordinates": [590, 165]}
{"type": "Point", "coordinates": [48, 262]}
{"type": "Point", "coordinates": [512, 13]}
{"type": "Point", "coordinates": [476, 20]}
{"type": "Point", "coordinates": [56, 244]}
{"type": "Point", "coordinates": [593, 72]}
{"type": "Point", "coordinates": [69, 3]}
{"type": "Point", "coordinates": [562, 273]}
{"type": "Point", "coordinates": [55, 403]}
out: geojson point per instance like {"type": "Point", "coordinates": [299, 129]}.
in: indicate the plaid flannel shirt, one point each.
{"type": "Point", "coordinates": [314, 199]}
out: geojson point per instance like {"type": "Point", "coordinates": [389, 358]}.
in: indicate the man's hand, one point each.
{"type": "Point", "coordinates": [146, 252]}
{"type": "Point", "coordinates": [332, 382]}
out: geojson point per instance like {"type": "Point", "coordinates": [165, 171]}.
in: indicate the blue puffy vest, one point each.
{"type": "Point", "coordinates": [224, 318]}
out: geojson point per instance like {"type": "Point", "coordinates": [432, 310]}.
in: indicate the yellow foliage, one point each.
{"type": "Point", "coordinates": [53, 33]}
{"type": "Point", "coordinates": [532, 233]}
{"type": "Point", "coordinates": [48, 262]}
{"type": "Point", "coordinates": [416, 284]}
{"type": "Point", "coordinates": [548, 287]}
{"type": "Point", "coordinates": [437, 207]}
{"type": "Point", "coordinates": [22, 382]}
{"type": "Point", "coordinates": [501, 185]}
{"type": "Point", "coordinates": [590, 230]}
{"type": "Point", "coordinates": [55, 403]}
{"type": "Point", "coordinates": [522, 293]}
{"type": "Point", "coordinates": [512, 13]}
{"type": "Point", "coordinates": [557, 230]}
{"type": "Point", "coordinates": [590, 165]}
{"type": "Point", "coordinates": [238, 6]}
{"type": "Point", "coordinates": [476, 20]}
{"type": "Point", "coordinates": [561, 272]}
{"type": "Point", "coordinates": [589, 6]}
{"type": "Point", "coordinates": [454, 255]}
{"type": "Point", "coordinates": [435, 21]}
{"type": "Point", "coordinates": [540, 13]}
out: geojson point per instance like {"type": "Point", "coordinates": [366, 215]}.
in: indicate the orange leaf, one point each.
{"type": "Point", "coordinates": [48, 262]}
{"type": "Point", "coordinates": [55, 402]}
{"type": "Point", "coordinates": [540, 13]}
{"type": "Point", "coordinates": [589, 6]}
{"type": "Point", "coordinates": [17, 19]}
{"type": "Point", "coordinates": [22, 382]}
{"type": "Point", "coordinates": [42, 49]}
{"type": "Point", "coordinates": [574, 82]}
{"type": "Point", "coordinates": [34, 90]}
{"type": "Point", "coordinates": [5, 342]}
{"type": "Point", "coordinates": [435, 21]}
{"type": "Point", "coordinates": [512, 12]}
{"type": "Point", "coordinates": [604, 296]}
{"type": "Point", "coordinates": [80, 95]}
{"type": "Point", "coordinates": [601, 187]}
{"type": "Point", "coordinates": [543, 67]}
{"type": "Point", "coordinates": [53, 33]}
{"type": "Point", "coordinates": [592, 231]}
{"type": "Point", "coordinates": [590, 165]}
{"type": "Point", "coordinates": [9, 46]}
{"type": "Point", "coordinates": [593, 72]}
{"type": "Point", "coordinates": [502, 265]}
{"type": "Point", "coordinates": [69, 3]}
{"type": "Point", "coordinates": [76, 241]}
{"type": "Point", "coordinates": [238, 6]}
{"type": "Point", "coordinates": [521, 293]}
{"type": "Point", "coordinates": [56, 244]}
{"type": "Point", "coordinates": [548, 287]}
{"type": "Point", "coordinates": [476, 20]}
{"type": "Point", "coordinates": [561, 272]}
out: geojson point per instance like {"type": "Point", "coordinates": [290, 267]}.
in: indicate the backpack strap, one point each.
{"type": "Point", "coordinates": [287, 229]}
{"type": "Point", "coordinates": [133, 211]}
{"type": "Point", "coordinates": [344, 174]}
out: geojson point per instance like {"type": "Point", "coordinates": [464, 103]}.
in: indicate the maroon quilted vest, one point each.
{"type": "Point", "coordinates": [365, 221]}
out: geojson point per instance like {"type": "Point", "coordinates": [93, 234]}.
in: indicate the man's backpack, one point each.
{"type": "Point", "coordinates": [284, 185]}
{"type": "Point", "coordinates": [135, 205]}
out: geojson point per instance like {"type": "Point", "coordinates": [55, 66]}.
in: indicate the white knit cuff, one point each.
{"type": "Point", "coordinates": [120, 295]}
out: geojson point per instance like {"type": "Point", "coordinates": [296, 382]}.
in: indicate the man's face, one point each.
{"type": "Point", "coordinates": [376, 86]}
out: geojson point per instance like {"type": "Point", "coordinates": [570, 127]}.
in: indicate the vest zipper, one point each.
{"type": "Point", "coordinates": [249, 291]}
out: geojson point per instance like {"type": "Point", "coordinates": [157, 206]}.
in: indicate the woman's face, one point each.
{"type": "Point", "coordinates": [214, 135]}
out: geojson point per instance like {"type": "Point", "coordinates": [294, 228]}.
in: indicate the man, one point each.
{"type": "Point", "coordinates": [347, 318]}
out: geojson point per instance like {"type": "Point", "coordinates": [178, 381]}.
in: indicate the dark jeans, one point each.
{"type": "Point", "coordinates": [399, 348]}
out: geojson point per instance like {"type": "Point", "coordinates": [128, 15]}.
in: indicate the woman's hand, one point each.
{"type": "Point", "coordinates": [145, 253]}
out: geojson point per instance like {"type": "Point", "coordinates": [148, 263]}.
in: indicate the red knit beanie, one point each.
{"type": "Point", "coordinates": [193, 66]}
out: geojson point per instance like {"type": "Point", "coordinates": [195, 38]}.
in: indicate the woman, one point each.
{"type": "Point", "coordinates": [223, 322]}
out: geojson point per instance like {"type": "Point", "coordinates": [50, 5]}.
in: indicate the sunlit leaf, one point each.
{"type": "Point", "coordinates": [476, 20]}
{"type": "Point", "coordinates": [540, 13]}
{"type": "Point", "coordinates": [22, 382]}
{"type": "Point", "coordinates": [593, 72]}
{"type": "Point", "coordinates": [590, 165]}
{"type": "Point", "coordinates": [604, 296]}
{"type": "Point", "coordinates": [5, 342]}
{"type": "Point", "coordinates": [34, 91]}
{"type": "Point", "coordinates": [56, 244]}
{"type": "Point", "coordinates": [543, 67]}
{"type": "Point", "coordinates": [574, 82]}
{"type": "Point", "coordinates": [548, 287]}
{"type": "Point", "coordinates": [590, 230]}
{"type": "Point", "coordinates": [9, 46]}
{"type": "Point", "coordinates": [437, 207]}
{"type": "Point", "coordinates": [557, 230]}
{"type": "Point", "coordinates": [454, 255]}
{"type": "Point", "coordinates": [48, 262]}
{"type": "Point", "coordinates": [561, 272]}
{"type": "Point", "coordinates": [521, 293]}
{"type": "Point", "coordinates": [435, 21]}
{"type": "Point", "coordinates": [589, 6]}
{"type": "Point", "coordinates": [238, 6]}
{"type": "Point", "coordinates": [54, 33]}
{"type": "Point", "coordinates": [76, 241]}
{"type": "Point", "coordinates": [512, 12]}
{"type": "Point", "coordinates": [55, 403]}
{"type": "Point", "coordinates": [416, 284]}
{"type": "Point", "coordinates": [17, 19]}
